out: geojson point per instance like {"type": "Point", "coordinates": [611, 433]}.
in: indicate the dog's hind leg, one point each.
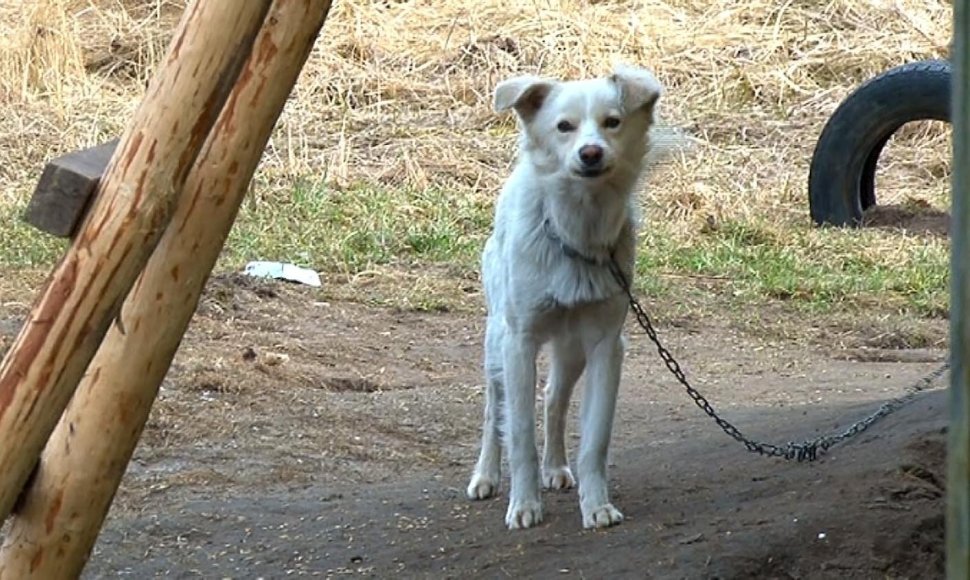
{"type": "Point", "coordinates": [485, 479]}
{"type": "Point", "coordinates": [596, 415]}
{"type": "Point", "coordinates": [567, 364]}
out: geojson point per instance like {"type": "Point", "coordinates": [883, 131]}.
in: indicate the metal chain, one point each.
{"type": "Point", "coordinates": [804, 451]}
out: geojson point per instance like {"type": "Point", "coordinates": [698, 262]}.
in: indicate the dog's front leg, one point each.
{"type": "Point", "coordinates": [566, 366]}
{"type": "Point", "coordinates": [525, 507]}
{"type": "Point", "coordinates": [596, 414]}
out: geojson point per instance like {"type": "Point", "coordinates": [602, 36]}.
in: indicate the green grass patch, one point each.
{"type": "Point", "coordinates": [22, 245]}
{"type": "Point", "coordinates": [366, 227]}
{"type": "Point", "coordinates": [819, 269]}
{"type": "Point", "coordinates": [361, 227]}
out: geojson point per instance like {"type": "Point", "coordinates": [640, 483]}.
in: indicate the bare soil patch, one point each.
{"type": "Point", "coordinates": [914, 218]}
{"type": "Point", "coordinates": [296, 436]}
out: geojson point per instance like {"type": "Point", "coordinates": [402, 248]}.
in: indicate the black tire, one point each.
{"type": "Point", "coordinates": [841, 181]}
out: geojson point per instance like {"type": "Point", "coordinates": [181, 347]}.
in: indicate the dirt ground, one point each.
{"type": "Point", "coordinates": [298, 436]}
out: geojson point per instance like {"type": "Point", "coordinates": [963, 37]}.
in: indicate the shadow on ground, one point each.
{"type": "Point", "coordinates": [696, 507]}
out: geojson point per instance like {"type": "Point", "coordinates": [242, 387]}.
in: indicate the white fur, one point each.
{"type": "Point", "coordinates": [538, 295]}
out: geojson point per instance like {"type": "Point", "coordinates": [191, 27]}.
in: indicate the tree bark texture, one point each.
{"type": "Point", "coordinates": [135, 202]}
{"type": "Point", "coordinates": [81, 467]}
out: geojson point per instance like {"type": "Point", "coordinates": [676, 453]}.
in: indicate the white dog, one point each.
{"type": "Point", "coordinates": [565, 214]}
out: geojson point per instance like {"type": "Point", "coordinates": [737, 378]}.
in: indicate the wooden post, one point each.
{"type": "Point", "coordinates": [958, 455]}
{"type": "Point", "coordinates": [82, 465]}
{"type": "Point", "coordinates": [136, 200]}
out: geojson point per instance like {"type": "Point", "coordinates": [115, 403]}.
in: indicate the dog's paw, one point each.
{"type": "Point", "coordinates": [523, 514]}
{"type": "Point", "coordinates": [482, 486]}
{"type": "Point", "coordinates": [558, 478]}
{"type": "Point", "coordinates": [602, 516]}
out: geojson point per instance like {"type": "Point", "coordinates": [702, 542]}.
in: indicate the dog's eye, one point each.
{"type": "Point", "coordinates": [611, 122]}
{"type": "Point", "coordinates": [565, 127]}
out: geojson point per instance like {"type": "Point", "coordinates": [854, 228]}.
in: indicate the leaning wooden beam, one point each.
{"type": "Point", "coordinates": [136, 200]}
{"type": "Point", "coordinates": [57, 525]}
{"type": "Point", "coordinates": [958, 463]}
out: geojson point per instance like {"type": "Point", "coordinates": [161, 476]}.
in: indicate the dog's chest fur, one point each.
{"type": "Point", "coordinates": [572, 281]}
{"type": "Point", "coordinates": [525, 263]}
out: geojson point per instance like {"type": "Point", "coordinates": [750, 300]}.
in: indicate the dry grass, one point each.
{"type": "Point", "coordinates": [395, 98]}
{"type": "Point", "coordinates": [385, 164]}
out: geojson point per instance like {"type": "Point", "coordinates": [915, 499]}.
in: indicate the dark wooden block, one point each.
{"type": "Point", "coordinates": [66, 188]}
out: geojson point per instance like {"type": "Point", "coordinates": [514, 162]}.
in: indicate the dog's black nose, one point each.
{"type": "Point", "coordinates": [591, 155]}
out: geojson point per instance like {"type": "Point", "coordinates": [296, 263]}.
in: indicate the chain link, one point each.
{"type": "Point", "coordinates": [804, 451]}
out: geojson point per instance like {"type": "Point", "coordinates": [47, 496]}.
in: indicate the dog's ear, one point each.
{"type": "Point", "coordinates": [525, 94]}
{"type": "Point", "coordinates": [639, 89]}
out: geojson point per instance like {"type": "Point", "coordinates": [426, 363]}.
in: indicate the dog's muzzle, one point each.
{"type": "Point", "coordinates": [591, 163]}
{"type": "Point", "coordinates": [591, 172]}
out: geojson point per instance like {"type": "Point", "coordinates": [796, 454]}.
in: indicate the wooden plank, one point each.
{"type": "Point", "coordinates": [958, 465]}
{"type": "Point", "coordinates": [66, 188]}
